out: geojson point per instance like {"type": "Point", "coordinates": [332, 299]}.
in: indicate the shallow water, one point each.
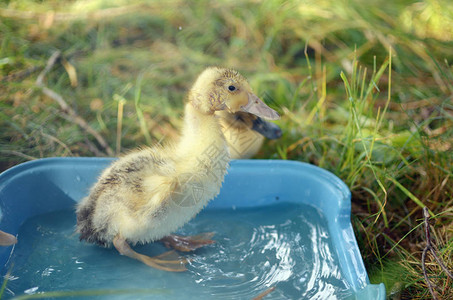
{"type": "Point", "coordinates": [283, 246]}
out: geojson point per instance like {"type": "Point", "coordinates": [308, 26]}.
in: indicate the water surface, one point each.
{"type": "Point", "coordinates": [284, 246]}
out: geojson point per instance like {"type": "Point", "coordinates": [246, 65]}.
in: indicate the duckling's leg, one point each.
{"type": "Point", "coordinates": [188, 243]}
{"type": "Point", "coordinates": [168, 261]}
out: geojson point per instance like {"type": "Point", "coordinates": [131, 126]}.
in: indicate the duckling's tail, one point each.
{"type": "Point", "coordinates": [85, 226]}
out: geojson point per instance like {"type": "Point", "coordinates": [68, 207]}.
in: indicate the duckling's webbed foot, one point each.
{"type": "Point", "coordinates": [168, 261]}
{"type": "Point", "coordinates": [188, 243]}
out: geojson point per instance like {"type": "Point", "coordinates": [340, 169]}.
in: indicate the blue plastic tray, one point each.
{"type": "Point", "coordinates": [52, 184]}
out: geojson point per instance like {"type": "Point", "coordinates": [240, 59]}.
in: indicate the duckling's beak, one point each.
{"type": "Point", "coordinates": [267, 129]}
{"type": "Point", "coordinates": [257, 107]}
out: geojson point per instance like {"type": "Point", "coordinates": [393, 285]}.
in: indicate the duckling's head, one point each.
{"type": "Point", "coordinates": [218, 89]}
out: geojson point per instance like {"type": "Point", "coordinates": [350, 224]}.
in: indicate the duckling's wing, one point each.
{"type": "Point", "coordinates": [119, 196]}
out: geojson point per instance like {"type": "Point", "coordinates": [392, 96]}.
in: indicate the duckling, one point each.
{"type": "Point", "coordinates": [245, 133]}
{"type": "Point", "coordinates": [149, 193]}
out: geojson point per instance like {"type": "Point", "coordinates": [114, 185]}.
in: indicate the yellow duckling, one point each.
{"type": "Point", "coordinates": [245, 133]}
{"type": "Point", "coordinates": [148, 194]}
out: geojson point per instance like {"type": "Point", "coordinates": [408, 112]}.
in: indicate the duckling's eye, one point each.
{"type": "Point", "coordinates": [232, 88]}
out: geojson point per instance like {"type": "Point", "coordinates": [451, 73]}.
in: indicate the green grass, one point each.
{"type": "Point", "coordinates": [365, 89]}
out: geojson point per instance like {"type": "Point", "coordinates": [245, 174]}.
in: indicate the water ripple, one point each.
{"type": "Point", "coordinates": [252, 255]}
